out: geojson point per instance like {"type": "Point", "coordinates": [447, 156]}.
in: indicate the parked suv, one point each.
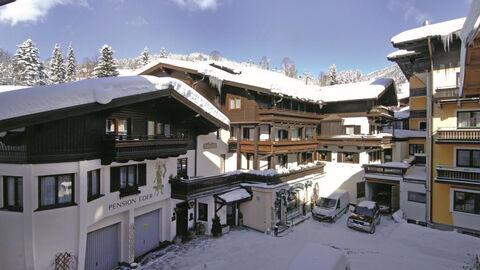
{"type": "Point", "coordinates": [365, 216]}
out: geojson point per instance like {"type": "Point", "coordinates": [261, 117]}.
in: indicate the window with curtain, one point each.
{"type": "Point", "coordinates": [127, 179]}
{"type": "Point", "coordinates": [468, 158]}
{"type": "Point", "coordinates": [467, 202]}
{"type": "Point", "coordinates": [13, 193]}
{"type": "Point", "coordinates": [93, 184]}
{"type": "Point", "coordinates": [182, 168]}
{"type": "Point", "coordinates": [56, 190]}
{"type": "Point", "coordinates": [468, 119]}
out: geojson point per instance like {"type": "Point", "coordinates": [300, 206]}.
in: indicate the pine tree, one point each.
{"type": "Point", "coordinates": [57, 67]}
{"type": "Point", "coordinates": [71, 70]}
{"type": "Point", "coordinates": [332, 75]}
{"type": "Point", "coordinates": [6, 68]}
{"type": "Point", "coordinates": [145, 57]}
{"type": "Point", "coordinates": [26, 64]}
{"type": "Point", "coordinates": [163, 53]}
{"type": "Point", "coordinates": [106, 66]}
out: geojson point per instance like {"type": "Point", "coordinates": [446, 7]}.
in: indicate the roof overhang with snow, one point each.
{"type": "Point", "coordinates": [470, 41]}
{"type": "Point", "coordinates": [29, 106]}
{"type": "Point", "coordinates": [414, 55]}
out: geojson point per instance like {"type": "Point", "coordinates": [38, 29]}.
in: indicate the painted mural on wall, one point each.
{"type": "Point", "coordinates": [159, 176]}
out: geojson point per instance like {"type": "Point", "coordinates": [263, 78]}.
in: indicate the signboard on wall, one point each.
{"type": "Point", "coordinates": [210, 145]}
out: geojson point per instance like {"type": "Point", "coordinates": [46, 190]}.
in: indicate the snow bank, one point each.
{"type": "Point", "coordinates": [398, 216]}
{"type": "Point", "coordinates": [443, 30]}
{"type": "Point", "coordinates": [34, 100]}
{"type": "Point", "coordinates": [220, 73]}
{"type": "Point", "coordinates": [418, 173]}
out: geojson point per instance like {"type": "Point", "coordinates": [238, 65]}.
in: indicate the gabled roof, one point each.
{"type": "Point", "coordinates": [254, 78]}
{"type": "Point", "coordinates": [27, 102]}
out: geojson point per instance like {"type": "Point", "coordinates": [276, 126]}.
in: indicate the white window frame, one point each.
{"type": "Point", "coordinates": [452, 194]}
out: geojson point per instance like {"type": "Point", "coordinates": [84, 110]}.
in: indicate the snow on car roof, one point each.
{"type": "Point", "coordinates": [367, 204]}
{"type": "Point", "coordinates": [441, 29]}
{"type": "Point", "coordinates": [27, 101]}
{"type": "Point", "coordinates": [220, 72]}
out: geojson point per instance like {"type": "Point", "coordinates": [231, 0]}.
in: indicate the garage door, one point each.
{"type": "Point", "coordinates": [102, 249]}
{"type": "Point", "coordinates": [147, 232]}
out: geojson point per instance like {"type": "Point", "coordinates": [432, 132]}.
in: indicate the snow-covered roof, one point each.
{"type": "Point", "coordinates": [27, 101]}
{"type": "Point", "coordinates": [470, 31]}
{"type": "Point", "coordinates": [355, 91]}
{"type": "Point", "coordinates": [222, 72]}
{"type": "Point", "coordinates": [442, 29]}
{"type": "Point", "coordinates": [416, 173]}
{"type": "Point", "coordinates": [402, 113]}
{"type": "Point", "coordinates": [401, 53]}
{"type": "Point", "coordinates": [4, 88]}
{"type": "Point", "coordinates": [367, 204]}
{"type": "Point", "coordinates": [406, 133]}
{"type": "Point", "coordinates": [235, 195]}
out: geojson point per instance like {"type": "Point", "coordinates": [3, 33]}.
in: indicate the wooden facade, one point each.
{"type": "Point", "coordinates": [61, 137]}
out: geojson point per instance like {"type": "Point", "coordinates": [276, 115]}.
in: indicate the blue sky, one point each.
{"type": "Point", "coordinates": [352, 34]}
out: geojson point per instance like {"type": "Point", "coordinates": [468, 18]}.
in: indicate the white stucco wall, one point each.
{"type": "Point", "coordinates": [412, 210]}
{"type": "Point", "coordinates": [358, 121]}
{"type": "Point", "coordinates": [209, 153]}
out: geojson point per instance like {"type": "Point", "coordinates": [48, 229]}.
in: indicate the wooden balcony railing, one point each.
{"type": "Point", "coordinates": [131, 147]}
{"type": "Point", "coordinates": [458, 135]}
{"type": "Point", "coordinates": [384, 170]}
{"type": "Point", "coordinates": [458, 175]}
{"type": "Point", "coordinates": [188, 189]}
{"type": "Point", "coordinates": [13, 154]}
{"type": "Point", "coordinates": [446, 93]}
{"type": "Point", "coordinates": [418, 114]}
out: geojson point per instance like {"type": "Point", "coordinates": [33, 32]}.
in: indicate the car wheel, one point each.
{"type": "Point", "coordinates": [372, 229]}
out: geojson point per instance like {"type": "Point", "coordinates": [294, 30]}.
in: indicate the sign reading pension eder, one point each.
{"type": "Point", "coordinates": [140, 198]}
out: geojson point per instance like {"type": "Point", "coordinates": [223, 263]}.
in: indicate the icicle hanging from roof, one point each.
{"type": "Point", "coordinates": [216, 82]}
{"type": "Point", "coordinates": [447, 39]}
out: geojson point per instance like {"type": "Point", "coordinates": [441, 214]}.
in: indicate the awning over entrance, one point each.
{"type": "Point", "coordinates": [238, 194]}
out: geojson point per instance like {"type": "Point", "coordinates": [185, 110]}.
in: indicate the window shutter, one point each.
{"type": "Point", "coordinates": [142, 174]}
{"type": "Point", "coordinates": [114, 179]}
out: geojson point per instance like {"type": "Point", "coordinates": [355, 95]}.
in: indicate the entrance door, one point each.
{"type": "Point", "coordinates": [395, 197]}
{"type": "Point", "coordinates": [102, 249]}
{"type": "Point", "coordinates": [182, 219]}
{"type": "Point", "coordinates": [231, 214]}
{"type": "Point", "coordinates": [147, 232]}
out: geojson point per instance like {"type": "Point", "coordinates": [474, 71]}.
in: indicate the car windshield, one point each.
{"type": "Point", "coordinates": [364, 211]}
{"type": "Point", "coordinates": [326, 203]}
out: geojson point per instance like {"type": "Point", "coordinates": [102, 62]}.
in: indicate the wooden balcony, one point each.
{"type": "Point", "coordinates": [354, 140]}
{"type": "Point", "coordinates": [189, 189]}
{"type": "Point", "coordinates": [455, 136]}
{"type": "Point", "coordinates": [248, 146]}
{"type": "Point", "coordinates": [131, 147]}
{"type": "Point", "coordinates": [13, 154]}
{"type": "Point", "coordinates": [456, 175]}
{"type": "Point", "coordinates": [385, 170]}
{"type": "Point", "coordinates": [446, 93]}
{"type": "Point", "coordinates": [288, 115]}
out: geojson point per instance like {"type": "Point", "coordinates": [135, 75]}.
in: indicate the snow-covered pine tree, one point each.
{"type": "Point", "coordinates": [6, 69]}
{"type": "Point", "coordinates": [264, 63]}
{"type": "Point", "coordinates": [145, 57]}
{"type": "Point", "coordinates": [106, 66]}
{"type": "Point", "coordinates": [332, 75]}
{"type": "Point", "coordinates": [57, 68]}
{"type": "Point", "coordinates": [71, 69]}
{"type": "Point", "coordinates": [163, 53]}
{"type": "Point", "coordinates": [27, 67]}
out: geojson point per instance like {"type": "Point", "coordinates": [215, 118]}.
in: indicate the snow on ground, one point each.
{"type": "Point", "coordinates": [393, 246]}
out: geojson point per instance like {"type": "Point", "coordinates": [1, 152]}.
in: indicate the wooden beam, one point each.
{"type": "Point", "coordinates": [239, 157]}
{"type": "Point", "coordinates": [255, 140]}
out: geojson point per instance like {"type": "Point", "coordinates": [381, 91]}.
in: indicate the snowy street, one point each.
{"type": "Point", "coordinates": [393, 246]}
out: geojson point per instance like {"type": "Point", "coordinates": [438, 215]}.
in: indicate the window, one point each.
{"type": "Point", "coordinates": [306, 157]}
{"type": "Point", "coordinates": [352, 129]}
{"type": "Point", "coordinates": [155, 128]}
{"type": "Point", "coordinates": [127, 179]}
{"type": "Point", "coordinates": [348, 157]}
{"type": "Point", "coordinates": [468, 158]}
{"type": "Point", "coordinates": [13, 193]}
{"type": "Point", "coordinates": [182, 167]}
{"type": "Point", "coordinates": [203, 211]}
{"type": "Point", "coordinates": [56, 190]}
{"type": "Point", "coordinates": [416, 197]}
{"type": "Point", "coordinates": [416, 149]}
{"type": "Point", "coordinates": [375, 156]}
{"type": "Point", "coordinates": [325, 155]}
{"type": "Point", "coordinates": [93, 185]}
{"type": "Point", "coordinates": [282, 134]}
{"type": "Point", "coordinates": [422, 125]}
{"type": "Point", "coordinates": [117, 126]}
{"type": "Point", "coordinates": [468, 119]}
{"type": "Point", "coordinates": [466, 202]}
{"type": "Point", "coordinates": [282, 160]}
{"type": "Point", "coordinates": [235, 103]}
{"type": "Point", "coordinates": [247, 133]}
{"type": "Point", "coordinates": [309, 133]}
{"type": "Point", "coordinates": [387, 155]}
